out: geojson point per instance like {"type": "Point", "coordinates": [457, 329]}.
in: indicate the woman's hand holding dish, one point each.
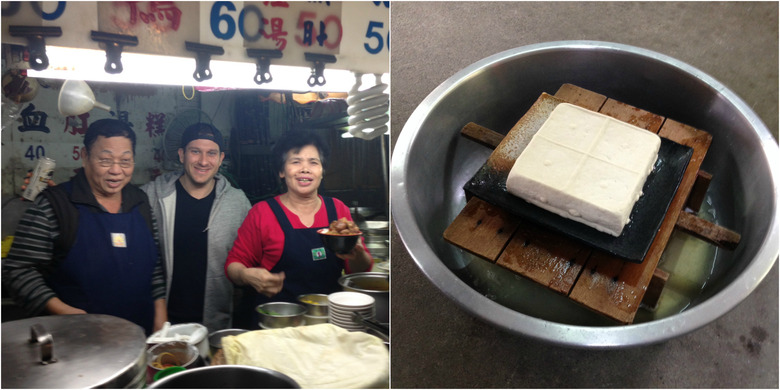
{"type": "Point", "coordinates": [358, 258]}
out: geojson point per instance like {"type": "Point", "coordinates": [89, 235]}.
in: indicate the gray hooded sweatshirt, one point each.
{"type": "Point", "coordinates": [227, 213]}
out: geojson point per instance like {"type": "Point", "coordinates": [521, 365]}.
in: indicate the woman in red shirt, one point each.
{"type": "Point", "coordinates": [278, 251]}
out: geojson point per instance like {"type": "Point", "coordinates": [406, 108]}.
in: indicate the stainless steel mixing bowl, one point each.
{"type": "Point", "coordinates": [431, 162]}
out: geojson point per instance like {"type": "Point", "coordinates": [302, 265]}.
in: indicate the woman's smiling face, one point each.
{"type": "Point", "coordinates": [302, 171]}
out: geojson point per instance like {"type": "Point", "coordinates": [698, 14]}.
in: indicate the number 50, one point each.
{"type": "Point", "coordinates": [371, 33]}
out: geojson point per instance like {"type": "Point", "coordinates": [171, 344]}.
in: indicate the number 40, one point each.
{"type": "Point", "coordinates": [34, 153]}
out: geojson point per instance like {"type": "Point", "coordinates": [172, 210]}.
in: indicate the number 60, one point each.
{"type": "Point", "coordinates": [216, 18]}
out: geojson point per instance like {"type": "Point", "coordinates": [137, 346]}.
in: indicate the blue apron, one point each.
{"type": "Point", "coordinates": [109, 268]}
{"type": "Point", "coordinates": [308, 266]}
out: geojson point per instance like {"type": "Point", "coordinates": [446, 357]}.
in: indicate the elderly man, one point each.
{"type": "Point", "coordinates": [89, 245]}
{"type": "Point", "coordinates": [199, 214]}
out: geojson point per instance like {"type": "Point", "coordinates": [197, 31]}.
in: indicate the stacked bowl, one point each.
{"type": "Point", "coordinates": [275, 315]}
{"type": "Point", "coordinates": [343, 305]}
{"type": "Point", "coordinates": [316, 308]}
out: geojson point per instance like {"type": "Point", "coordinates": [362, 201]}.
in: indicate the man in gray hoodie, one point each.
{"type": "Point", "coordinates": [198, 214]}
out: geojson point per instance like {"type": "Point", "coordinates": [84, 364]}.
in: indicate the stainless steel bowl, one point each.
{"type": "Point", "coordinates": [227, 377]}
{"type": "Point", "coordinates": [280, 314]}
{"type": "Point", "coordinates": [431, 162]}
{"type": "Point", "coordinates": [316, 304]}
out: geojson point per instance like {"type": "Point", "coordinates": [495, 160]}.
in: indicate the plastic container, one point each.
{"type": "Point", "coordinates": [170, 354]}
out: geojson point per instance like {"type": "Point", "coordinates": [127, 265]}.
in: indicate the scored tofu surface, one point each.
{"type": "Point", "coordinates": [585, 166]}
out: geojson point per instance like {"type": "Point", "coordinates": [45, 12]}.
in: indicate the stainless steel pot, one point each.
{"type": "Point", "coordinates": [374, 228]}
{"type": "Point", "coordinates": [227, 377]}
{"type": "Point", "coordinates": [431, 162]}
{"type": "Point", "coordinates": [375, 284]}
{"type": "Point", "coordinates": [376, 235]}
{"type": "Point", "coordinates": [73, 351]}
{"type": "Point", "coordinates": [378, 250]}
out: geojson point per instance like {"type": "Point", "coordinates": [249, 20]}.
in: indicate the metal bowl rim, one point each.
{"type": "Point", "coordinates": [223, 367]}
{"type": "Point", "coordinates": [300, 306]}
{"type": "Point", "coordinates": [558, 333]}
{"type": "Point", "coordinates": [325, 296]}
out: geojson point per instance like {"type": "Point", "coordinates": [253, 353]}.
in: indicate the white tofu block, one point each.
{"type": "Point", "coordinates": [585, 166]}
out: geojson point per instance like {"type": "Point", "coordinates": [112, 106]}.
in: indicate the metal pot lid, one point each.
{"type": "Point", "coordinates": [72, 351]}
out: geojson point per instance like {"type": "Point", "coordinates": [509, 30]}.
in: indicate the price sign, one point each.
{"type": "Point", "coordinates": [366, 44]}
{"type": "Point", "coordinates": [294, 28]}
{"type": "Point", "coordinates": [357, 33]}
{"type": "Point", "coordinates": [75, 18]}
{"type": "Point", "coordinates": [162, 27]}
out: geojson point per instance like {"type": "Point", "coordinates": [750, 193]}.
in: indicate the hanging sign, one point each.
{"type": "Point", "coordinates": [75, 18]}
{"type": "Point", "coordinates": [290, 27]}
{"type": "Point", "coordinates": [357, 33]}
{"type": "Point", "coordinates": [162, 27]}
{"type": "Point", "coordinates": [365, 47]}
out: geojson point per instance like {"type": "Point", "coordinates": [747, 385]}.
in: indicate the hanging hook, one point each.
{"type": "Point", "coordinates": [114, 45]}
{"type": "Point", "coordinates": [202, 58]}
{"type": "Point", "coordinates": [36, 44]}
{"type": "Point", "coordinates": [318, 67]}
{"type": "Point", "coordinates": [263, 63]}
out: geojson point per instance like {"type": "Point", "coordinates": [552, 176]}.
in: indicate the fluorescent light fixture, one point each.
{"type": "Point", "coordinates": [85, 64]}
{"type": "Point", "coordinates": [346, 133]}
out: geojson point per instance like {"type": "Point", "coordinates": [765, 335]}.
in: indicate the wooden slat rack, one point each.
{"type": "Point", "coordinates": [594, 279]}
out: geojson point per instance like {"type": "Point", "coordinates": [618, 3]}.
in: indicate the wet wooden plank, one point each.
{"type": "Point", "coordinates": [503, 157]}
{"type": "Point", "coordinates": [632, 115]}
{"type": "Point", "coordinates": [611, 286]}
{"type": "Point", "coordinates": [699, 191]}
{"type": "Point", "coordinates": [580, 97]}
{"type": "Point", "coordinates": [654, 289]}
{"type": "Point", "coordinates": [549, 259]}
{"type": "Point", "coordinates": [482, 135]}
{"type": "Point", "coordinates": [708, 231]}
{"type": "Point", "coordinates": [482, 229]}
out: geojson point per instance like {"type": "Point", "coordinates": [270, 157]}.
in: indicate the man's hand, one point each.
{"type": "Point", "coordinates": [160, 314]}
{"type": "Point", "coordinates": [27, 177]}
{"type": "Point", "coordinates": [57, 306]}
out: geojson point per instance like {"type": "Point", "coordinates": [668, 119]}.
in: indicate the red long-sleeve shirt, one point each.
{"type": "Point", "coordinates": [260, 239]}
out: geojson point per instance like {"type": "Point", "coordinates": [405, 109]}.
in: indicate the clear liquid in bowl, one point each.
{"type": "Point", "coordinates": [690, 261]}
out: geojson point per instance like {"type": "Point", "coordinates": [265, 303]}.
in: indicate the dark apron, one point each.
{"type": "Point", "coordinates": [109, 268]}
{"type": "Point", "coordinates": [308, 266]}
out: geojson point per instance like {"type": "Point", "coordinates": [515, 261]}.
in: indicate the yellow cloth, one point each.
{"type": "Point", "coordinates": [7, 245]}
{"type": "Point", "coordinates": [315, 356]}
